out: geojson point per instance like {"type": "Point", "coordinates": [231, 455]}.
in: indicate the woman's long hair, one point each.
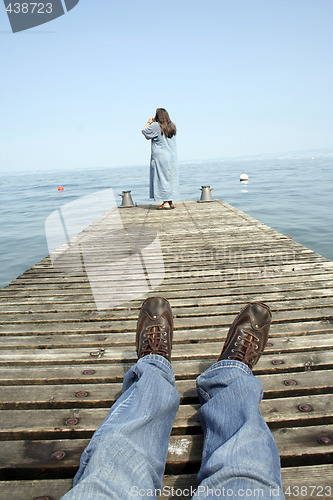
{"type": "Point", "coordinates": [167, 127]}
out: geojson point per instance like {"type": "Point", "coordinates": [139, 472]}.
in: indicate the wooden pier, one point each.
{"type": "Point", "coordinates": [63, 358]}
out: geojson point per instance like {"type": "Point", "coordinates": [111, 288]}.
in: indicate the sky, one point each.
{"type": "Point", "coordinates": [238, 77]}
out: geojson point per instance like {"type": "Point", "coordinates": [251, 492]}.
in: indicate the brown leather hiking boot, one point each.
{"type": "Point", "coordinates": [247, 336]}
{"type": "Point", "coordinates": [154, 328]}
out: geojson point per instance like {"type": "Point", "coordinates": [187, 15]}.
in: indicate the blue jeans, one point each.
{"type": "Point", "coordinates": [126, 456]}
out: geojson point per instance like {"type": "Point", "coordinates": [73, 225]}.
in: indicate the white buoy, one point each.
{"type": "Point", "coordinates": [244, 178]}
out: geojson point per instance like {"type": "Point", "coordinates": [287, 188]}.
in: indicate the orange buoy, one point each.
{"type": "Point", "coordinates": [60, 188]}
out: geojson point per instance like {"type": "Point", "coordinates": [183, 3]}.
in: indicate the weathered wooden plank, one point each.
{"type": "Point", "coordinates": [293, 444]}
{"type": "Point", "coordinates": [179, 299]}
{"type": "Point", "coordinates": [77, 294]}
{"type": "Point", "coordinates": [266, 244]}
{"type": "Point", "coordinates": [298, 482]}
{"type": "Point", "coordinates": [16, 424]}
{"type": "Point", "coordinates": [220, 243]}
{"type": "Point", "coordinates": [207, 262]}
{"type": "Point", "coordinates": [51, 489]}
{"type": "Point", "coordinates": [66, 374]}
{"type": "Point", "coordinates": [297, 383]}
{"type": "Point", "coordinates": [197, 308]}
{"type": "Point", "coordinates": [49, 371]}
{"type": "Point", "coordinates": [245, 265]}
{"type": "Point", "coordinates": [114, 355]}
{"type": "Point", "coordinates": [284, 335]}
{"type": "Point", "coordinates": [315, 480]}
{"type": "Point", "coordinates": [210, 258]}
{"type": "Point", "coordinates": [230, 271]}
{"type": "Point", "coordinates": [103, 395]}
{"type": "Point", "coordinates": [277, 342]}
{"type": "Point", "coordinates": [183, 320]}
{"type": "Point", "coordinates": [205, 288]}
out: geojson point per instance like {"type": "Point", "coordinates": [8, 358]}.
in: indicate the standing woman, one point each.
{"type": "Point", "coordinates": [164, 180]}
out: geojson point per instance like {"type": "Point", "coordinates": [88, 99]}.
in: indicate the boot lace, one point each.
{"type": "Point", "coordinates": [155, 341]}
{"type": "Point", "coordinates": [247, 349]}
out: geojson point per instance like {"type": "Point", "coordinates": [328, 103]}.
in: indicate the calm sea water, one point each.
{"type": "Point", "coordinates": [291, 195]}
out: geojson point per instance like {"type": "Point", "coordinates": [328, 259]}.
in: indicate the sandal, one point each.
{"type": "Point", "coordinates": [162, 207]}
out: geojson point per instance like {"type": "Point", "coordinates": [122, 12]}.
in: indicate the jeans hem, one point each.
{"type": "Point", "coordinates": [230, 363]}
{"type": "Point", "coordinates": [223, 364]}
{"type": "Point", "coordinates": [160, 359]}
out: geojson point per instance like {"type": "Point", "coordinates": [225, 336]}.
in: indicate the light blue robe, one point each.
{"type": "Point", "coordinates": [164, 178]}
